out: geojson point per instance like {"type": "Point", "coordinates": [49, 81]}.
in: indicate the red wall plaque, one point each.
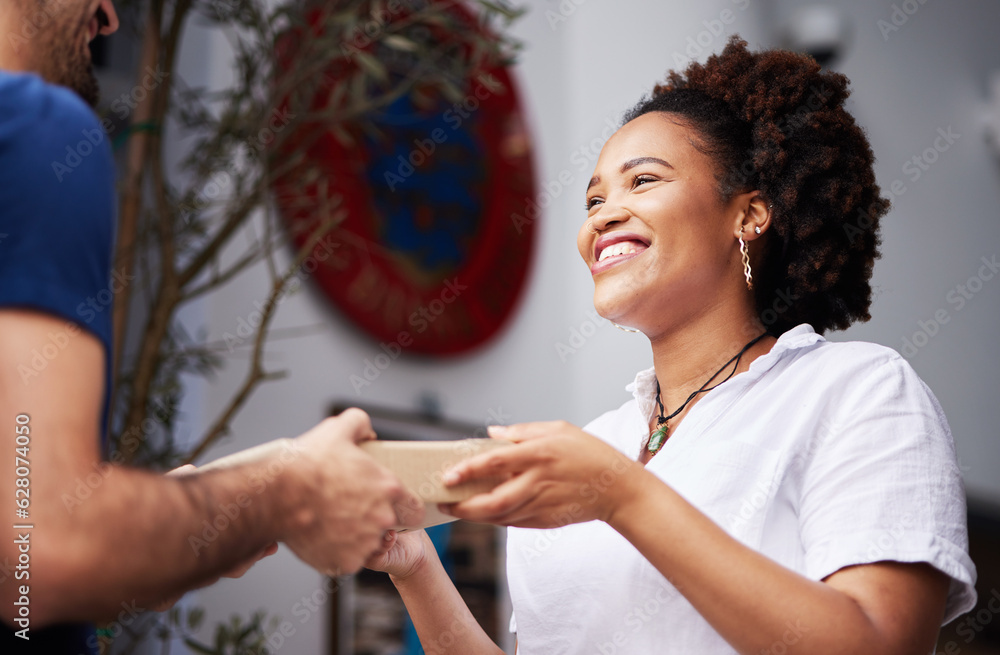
{"type": "Point", "coordinates": [430, 255]}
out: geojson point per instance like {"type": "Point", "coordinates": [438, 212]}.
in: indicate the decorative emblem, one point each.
{"type": "Point", "coordinates": [434, 249]}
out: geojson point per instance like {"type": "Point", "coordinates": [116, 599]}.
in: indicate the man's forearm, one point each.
{"type": "Point", "coordinates": [164, 535]}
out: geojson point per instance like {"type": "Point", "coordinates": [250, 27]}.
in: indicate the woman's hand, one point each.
{"type": "Point", "coordinates": [559, 475]}
{"type": "Point", "coordinates": [401, 554]}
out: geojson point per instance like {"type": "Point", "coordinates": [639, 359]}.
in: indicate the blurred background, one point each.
{"type": "Point", "coordinates": [926, 86]}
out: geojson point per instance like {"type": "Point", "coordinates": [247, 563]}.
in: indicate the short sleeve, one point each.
{"type": "Point", "coordinates": [56, 206]}
{"type": "Point", "coordinates": [883, 483]}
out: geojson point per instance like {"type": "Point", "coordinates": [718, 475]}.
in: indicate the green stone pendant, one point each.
{"type": "Point", "coordinates": [657, 439]}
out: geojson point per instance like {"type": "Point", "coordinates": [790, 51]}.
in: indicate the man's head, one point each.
{"type": "Point", "coordinates": [52, 37]}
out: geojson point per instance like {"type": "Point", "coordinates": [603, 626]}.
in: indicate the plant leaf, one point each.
{"type": "Point", "coordinates": [371, 65]}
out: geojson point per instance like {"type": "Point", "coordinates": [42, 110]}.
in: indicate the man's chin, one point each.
{"type": "Point", "coordinates": [78, 76]}
{"type": "Point", "coordinates": [88, 89]}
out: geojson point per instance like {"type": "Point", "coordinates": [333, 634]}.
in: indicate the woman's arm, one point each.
{"type": "Point", "coordinates": [442, 619]}
{"type": "Point", "coordinates": [755, 603]}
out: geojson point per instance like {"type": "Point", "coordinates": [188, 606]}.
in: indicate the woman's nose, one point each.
{"type": "Point", "coordinates": [608, 215]}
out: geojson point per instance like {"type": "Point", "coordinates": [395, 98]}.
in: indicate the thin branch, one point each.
{"type": "Point", "coordinates": [276, 334]}
{"type": "Point", "coordinates": [272, 268]}
{"type": "Point", "coordinates": [131, 198]}
{"type": "Point", "coordinates": [166, 299]}
{"type": "Point", "coordinates": [256, 373]}
{"type": "Point", "coordinates": [220, 278]}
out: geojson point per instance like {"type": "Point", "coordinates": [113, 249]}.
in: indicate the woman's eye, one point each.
{"type": "Point", "coordinates": [642, 179]}
{"type": "Point", "coordinates": [592, 202]}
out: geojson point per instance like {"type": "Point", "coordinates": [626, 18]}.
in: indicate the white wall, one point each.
{"type": "Point", "coordinates": [931, 74]}
{"type": "Point", "coordinates": [575, 75]}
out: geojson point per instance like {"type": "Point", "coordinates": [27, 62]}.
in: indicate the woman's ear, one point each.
{"type": "Point", "coordinates": [754, 216]}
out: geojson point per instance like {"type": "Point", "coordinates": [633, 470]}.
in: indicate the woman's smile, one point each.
{"type": "Point", "coordinates": [616, 248]}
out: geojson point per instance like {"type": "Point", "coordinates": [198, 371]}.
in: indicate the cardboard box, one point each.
{"type": "Point", "coordinates": [420, 466]}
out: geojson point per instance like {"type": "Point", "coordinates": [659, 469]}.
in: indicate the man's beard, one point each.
{"type": "Point", "coordinates": [71, 69]}
{"type": "Point", "coordinates": [59, 57]}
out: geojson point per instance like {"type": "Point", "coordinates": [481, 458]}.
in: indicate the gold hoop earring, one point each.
{"type": "Point", "coordinates": [746, 261]}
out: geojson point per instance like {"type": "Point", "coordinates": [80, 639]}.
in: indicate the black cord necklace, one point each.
{"type": "Point", "coordinates": [659, 436]}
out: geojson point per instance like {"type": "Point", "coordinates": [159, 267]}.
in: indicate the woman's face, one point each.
{"type": "Point", "coordinates": [665, 247]}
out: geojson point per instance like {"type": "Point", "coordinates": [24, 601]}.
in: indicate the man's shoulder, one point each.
{"type": "Point", "coordinates": [26, 100]}
{"type": "Point", "coordinates": [44, 126]}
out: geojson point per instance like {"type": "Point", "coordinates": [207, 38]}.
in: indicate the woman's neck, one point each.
{"type": "Point", "coordinates": [688, 355]}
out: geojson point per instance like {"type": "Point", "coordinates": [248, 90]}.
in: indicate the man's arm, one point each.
{"type": "Point", "coordinates": [141, 537]}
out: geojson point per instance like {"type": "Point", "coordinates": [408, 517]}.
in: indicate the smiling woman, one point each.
{"type": "Point", "coordinates": [765, 490]}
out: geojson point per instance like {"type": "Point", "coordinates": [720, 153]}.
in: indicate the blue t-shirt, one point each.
{"type": "Point", "coordinates": [56, 238]}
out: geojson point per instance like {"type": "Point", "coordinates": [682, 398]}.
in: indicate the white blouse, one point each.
{"type": "Point", "coordinates": [822, 455]}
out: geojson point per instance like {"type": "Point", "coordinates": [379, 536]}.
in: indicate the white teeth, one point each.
{"type": "Point", "coordinates": [620, 248]}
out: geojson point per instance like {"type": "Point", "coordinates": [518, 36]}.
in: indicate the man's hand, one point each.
{"type": "Point", "coordinates": [345, 500]}
{"type": "Point", "coordinates": [319, 493]}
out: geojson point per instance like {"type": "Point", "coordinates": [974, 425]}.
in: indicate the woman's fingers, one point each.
{"type": "Point", "coordinates": [505, 461]}
{"type": "Point", "coordinates": [505, 499]}
{"type": "Point", "coordinates": [388, 541]}
{"type": "Point", "coordinates": [377, 559]}
{"type": "Point", "coordinates": [524, 431]}
{"type": "Point", "coordinates": [497, 463]}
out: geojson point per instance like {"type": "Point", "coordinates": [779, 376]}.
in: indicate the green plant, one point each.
{"type": "Point", "coordinates": [343, 61]}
